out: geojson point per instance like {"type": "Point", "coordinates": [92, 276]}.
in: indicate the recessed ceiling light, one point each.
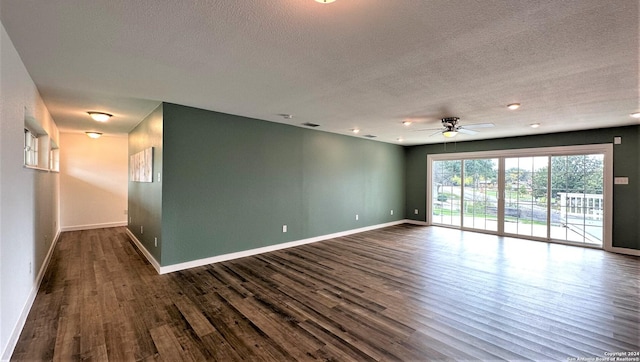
{"type": "Point", "coordinates": [94, 134]}
{"type": "Point", "coordinates": [325, 1]}
{"type": "Point", "coordinates": [285, 115]}
{"type": "Point", "coordinates": [407, 123]}
{"type": "Point", "coordinates": [513, 106]}
{"type": "Point", "coordinates": [635, 115]}
{"type": "Point", "coordinates": [399, 139]}
{"type": "Point", "coordinates": [100, 116]}
{"type": "Point", "coordinates": [355, 130]}
{"type": "Point", "coordinates": [534, 125]}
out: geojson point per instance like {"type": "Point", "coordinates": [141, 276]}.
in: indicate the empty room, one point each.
{"type": "Point", "coordinates": [332, 180]}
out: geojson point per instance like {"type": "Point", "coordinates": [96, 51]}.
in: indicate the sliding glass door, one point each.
{"type": "Point", "coordinates": [539, 194]}
{"type": "Point", "coordinates": [577, 191]}
{"type": "Point", "coordinates": [480, 202]}
{"type": "Point", "coordinates": [447, 191]}
{"type": "Point", "coordinates": [525, 196]}
{"type": "Point", "coordinates": [465, 193]}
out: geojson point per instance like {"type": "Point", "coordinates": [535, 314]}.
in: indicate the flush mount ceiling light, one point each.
{"type": "Point", "coordinates": [635, 115]}
{"type": "Point", "coordinates": [399, 139]}
{"type": "Point", "coordinates": [325, 1]}
{"type": "Point", "coordinates": [94, 134]}
{"type": "Point", "coordinates": [407, 123]}
{"type": "Point", "coordinates": [534, 125]}
{"type": "Point", "coordinates": [286, 116]}
{"type": "Point", "coordinates": [355, 130]}
{"type": "Point", "coordinates": [100, 116]}
{"type": "Point", "coordinates": [449, 133]}
{"type": "Point", "coordinates": [513, 106]}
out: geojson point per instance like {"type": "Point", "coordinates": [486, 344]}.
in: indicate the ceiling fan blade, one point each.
{"type": "Point", "coordinates": [436, 133]}
{"type": "Point", "coordinates": [466, 131]}
{"type": "Point", "coordinates": [479, 125]}
{"type": "Point", "coordinates": [427, 129]}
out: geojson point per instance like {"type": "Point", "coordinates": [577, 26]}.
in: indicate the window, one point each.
{"type": "Point", "coordinates": [30, 148]}
{"type": "Point", "coordinates": [41, 152]}
{"type": "Point", "coordinates": [54, 160]}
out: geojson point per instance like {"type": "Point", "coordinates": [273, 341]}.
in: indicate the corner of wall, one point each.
{"type": "Point", "coordinates": [145, 198]}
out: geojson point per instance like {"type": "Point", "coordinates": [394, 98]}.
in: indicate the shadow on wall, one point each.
{"type": "Point", "coordinates": [93, 205]}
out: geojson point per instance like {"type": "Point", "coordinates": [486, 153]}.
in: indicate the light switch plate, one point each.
{"type": "Point", "coordinates": [621, 180]}
{"type": "Point", "coordinates": [617, 140]}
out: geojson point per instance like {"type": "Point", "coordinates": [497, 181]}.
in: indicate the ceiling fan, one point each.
{"type": "Point", "coordinates": [450, 127]}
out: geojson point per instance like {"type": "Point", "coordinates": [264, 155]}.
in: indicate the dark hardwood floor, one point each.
{"type": "Point", "coordinates": [400, 293]}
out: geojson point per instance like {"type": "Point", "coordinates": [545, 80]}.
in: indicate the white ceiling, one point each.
{"type": "Point", "coordinates": [368, 64]}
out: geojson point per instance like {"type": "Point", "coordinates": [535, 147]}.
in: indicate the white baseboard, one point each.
{"type": "Point", "coordinates": [17, 329]}
{"type": "Point", "coordinates": [416, 222]}
{"type": "Point", "coordinates": [144, 251]}
{"type": "Point", "coordinates": [245, 253]}
{"type": "Point", "coordinates": [626, 251]}
{"type": "Point", "coordinates": [94, 226]}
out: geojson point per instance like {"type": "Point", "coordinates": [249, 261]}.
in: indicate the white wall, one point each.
{"type": "Point", "coordinates": [29, 199]}
{"type": "Point", "coordinates": [93, 181]}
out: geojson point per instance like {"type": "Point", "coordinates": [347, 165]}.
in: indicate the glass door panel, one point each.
{"type": "Point", "coordinates": [577, 189]}
{"type": "Point", "coordinates": [526, 180]}
{"type": "Point", "coordinates": [446, 192]}
{"type": "Point", "coordinates": [480, 203]}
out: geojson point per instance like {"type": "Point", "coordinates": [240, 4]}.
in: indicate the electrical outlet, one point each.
{"type": "Point", "coordinates": [415, 211]}
{"type": "Point", "coordinates": [356, 216]}
{"type": "Point", "coordinates": [141, 229]}
{"type": "Point", "coordinates": [126, 211]}
{"type": "Point", "coordinates": [284, 228]}
{"type": "Point", "coordinates": [130, 220]}
{"type": "Point", "coordinates": [155, 241]}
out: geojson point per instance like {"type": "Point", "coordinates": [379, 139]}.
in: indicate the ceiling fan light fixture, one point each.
{"type": "Point", "coordinates": [449, 133]}
{"type": "Point", "coordinates": [100, 116]}
{"type": "Point", "coordinates": [513, 106]}
{"type": "Point", "coordinates": [325, 1]}
{"type": "Point", "coordinates": [94, 135]}
{"type": "Point", "coordinates": [635, 115]}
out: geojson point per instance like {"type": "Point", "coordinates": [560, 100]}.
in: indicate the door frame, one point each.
{"type": "Point", "coordinates": [606, 149]}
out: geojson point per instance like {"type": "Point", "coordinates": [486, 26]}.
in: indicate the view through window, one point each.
{"type": "Point", "coordinates": [551, 197]}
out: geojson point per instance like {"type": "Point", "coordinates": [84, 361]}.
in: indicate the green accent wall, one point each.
{"type": "Point", "coordinates": [626, 162]}
{"type": "Point", "coordinates": [145, 198]}
{"type": "Point", "coordinates": [231, 183]}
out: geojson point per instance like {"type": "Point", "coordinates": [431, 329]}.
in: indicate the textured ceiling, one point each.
{"type": "Point", "coordinates": [367, 64]}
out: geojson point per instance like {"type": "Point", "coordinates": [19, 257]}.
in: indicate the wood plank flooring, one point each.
{"type": "Point", "coordinates": [401, 293]}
